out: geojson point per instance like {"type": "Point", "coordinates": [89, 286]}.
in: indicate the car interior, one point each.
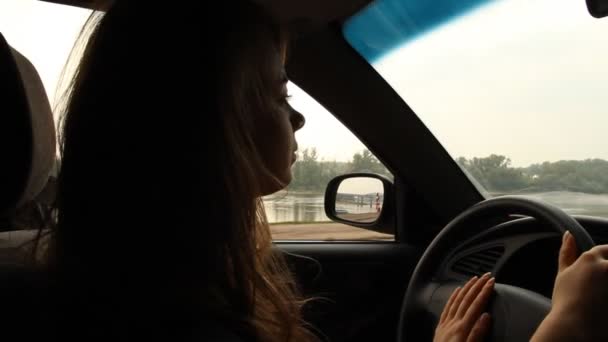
{"type": "Point", "coordinates": [366, 290]}
{"type": "Point", "coordinates": [28, 144]}
{"type": "Point", "coordinates": [28, 141]}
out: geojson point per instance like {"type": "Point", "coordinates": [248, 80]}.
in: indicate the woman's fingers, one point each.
{"type": "Point", "coordinates": [480, 329]}
{"type": "Point", "coordinates": [462, 319]}
{"type": "Point", "coordinates": [479, 303]}
{"type": "Point", "coordinates": [472, 295]}
{"type": "Point", "coordinates": [600, 250]}
{"type": "Point", "coordinates": [448, 305]}
{"type": "Point", "coordinates": [463, 292]}
{"type": "Point", "coordinates": [568, 252]}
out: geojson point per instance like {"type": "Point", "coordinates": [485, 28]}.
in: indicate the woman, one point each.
{"type": "Point", "coordinates": [176, 123]}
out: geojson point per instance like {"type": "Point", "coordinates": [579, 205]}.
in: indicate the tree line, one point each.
{"type": "Point", "coordinates": [312, 174]}
{"type": "Point", "coordinates": [496, 174]}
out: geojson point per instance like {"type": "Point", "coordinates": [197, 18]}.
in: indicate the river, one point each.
{"type": "Point", "coordinates": [309, 207]}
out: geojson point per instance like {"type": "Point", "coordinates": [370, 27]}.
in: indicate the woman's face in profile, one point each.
{"type": "Point", "coordinates": [276, 131]}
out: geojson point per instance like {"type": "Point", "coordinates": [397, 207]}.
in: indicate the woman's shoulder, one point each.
{"type": "Point", "coordinates": [223, 335]}
{"type": "Point", "coordinates": [214, 327]}
{"type": "Point", "coordinates": [218, 332]}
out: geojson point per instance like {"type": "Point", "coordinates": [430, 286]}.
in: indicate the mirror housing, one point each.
{"type": "Point", "coordinates": [598, 8]}
{"type": "Point", "coordinates": [366, 208]}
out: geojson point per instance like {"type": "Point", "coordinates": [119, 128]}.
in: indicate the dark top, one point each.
{"type": "Point", "coordinates": [31, 311]}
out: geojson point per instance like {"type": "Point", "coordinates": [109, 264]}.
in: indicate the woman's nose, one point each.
{"type": "Point", "coordinates": [297, 120]}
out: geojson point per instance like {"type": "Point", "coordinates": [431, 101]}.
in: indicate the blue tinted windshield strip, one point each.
{"type": "Point", "coordinates": [387, 24]}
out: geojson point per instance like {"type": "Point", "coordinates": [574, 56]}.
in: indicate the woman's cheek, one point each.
{"type": "Point", "coordinates": [284, 150]}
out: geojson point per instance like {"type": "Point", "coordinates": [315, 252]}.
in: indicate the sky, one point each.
{"type": "Point", "coordinates": [361, 186]}
{"type": "Point", "coordinates": [45, 33]}
{"type": "Point", "coordinates": [522, 78]}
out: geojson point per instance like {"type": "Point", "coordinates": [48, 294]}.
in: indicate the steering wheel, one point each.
{"type": "Point", "coordinates": [516, 312]}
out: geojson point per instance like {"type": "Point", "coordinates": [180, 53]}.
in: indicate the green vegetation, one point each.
{"type": "Point", "coordinates": [312, 174]}
{"type": "Point", "coordinates": [496, 174]}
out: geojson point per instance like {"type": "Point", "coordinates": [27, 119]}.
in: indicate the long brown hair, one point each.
{"type": "Point", "coordinates": [158, 192]}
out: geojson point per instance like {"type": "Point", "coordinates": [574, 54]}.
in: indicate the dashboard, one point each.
{"type": "Point", "coordinates": [522, 252]}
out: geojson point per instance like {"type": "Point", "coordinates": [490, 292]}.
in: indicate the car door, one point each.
{"type": "Point", "coordinates": [353, 277]}
{"type": "Point", "coordinates": [357, 282]}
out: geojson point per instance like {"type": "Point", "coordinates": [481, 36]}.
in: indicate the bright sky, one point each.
{"type": "Point", "coordinates": [334, 142]}
{"type": "Point", "coordinates": [45, 33]}
{"type": "Point", "coordinates": [523, 78]}
{"type": "Point", "coordinates": [361, 186]}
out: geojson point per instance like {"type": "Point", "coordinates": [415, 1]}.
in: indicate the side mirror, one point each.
{"type": "Point", "coordinates": [598, 8]}
{"type": "Point", "coordinates": [363, 200]}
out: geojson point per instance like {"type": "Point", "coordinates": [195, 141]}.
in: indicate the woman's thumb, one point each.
{"type": "Point", "coordinates": [567, 253]}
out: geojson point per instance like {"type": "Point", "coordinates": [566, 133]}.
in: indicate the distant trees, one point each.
{"type": "Point", "coordinates": [496, 174]}
{"type": "Point", "coordinates": [365, 161]}
{"type": "Point", "coordinates": [312, 174]}
{"type": "Point", "coordinates": [589, 175]}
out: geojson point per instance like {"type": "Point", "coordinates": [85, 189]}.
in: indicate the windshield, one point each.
{"type": "Point", "coordinates": [514, 89]}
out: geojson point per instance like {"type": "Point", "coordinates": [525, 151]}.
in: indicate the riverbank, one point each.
{"type": "Point", "coordinates": [325, 232]}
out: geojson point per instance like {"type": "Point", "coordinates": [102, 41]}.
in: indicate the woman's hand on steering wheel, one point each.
{"type": "Point", "coordinates": [463, 318]}
{"type": "Point", "coordinates": [580, 296]}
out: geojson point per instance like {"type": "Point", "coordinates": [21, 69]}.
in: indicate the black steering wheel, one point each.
{"type": "Point", "coordinates": [516, 312]}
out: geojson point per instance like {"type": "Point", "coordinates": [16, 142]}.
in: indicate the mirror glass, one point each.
{"type": "Point", "coordinates": [360, 199]}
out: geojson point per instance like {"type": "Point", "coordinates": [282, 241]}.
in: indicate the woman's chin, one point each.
{"type": "Point", "coordinates": [276, 184]}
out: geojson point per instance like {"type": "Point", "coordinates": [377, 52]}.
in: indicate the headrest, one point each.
{"type": "Point", "coordinates": [27, 131]}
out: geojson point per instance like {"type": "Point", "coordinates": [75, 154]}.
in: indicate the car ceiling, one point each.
{"type": "Point", "coordinates": [307, 13]}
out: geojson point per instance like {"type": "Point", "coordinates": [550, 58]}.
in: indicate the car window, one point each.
{"type": "Point", "coordinates": [514, 89]}
{"type": "Point", "coordinates": [326, 149]}
{"type": "Point", "coordinates": [45, 33]}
